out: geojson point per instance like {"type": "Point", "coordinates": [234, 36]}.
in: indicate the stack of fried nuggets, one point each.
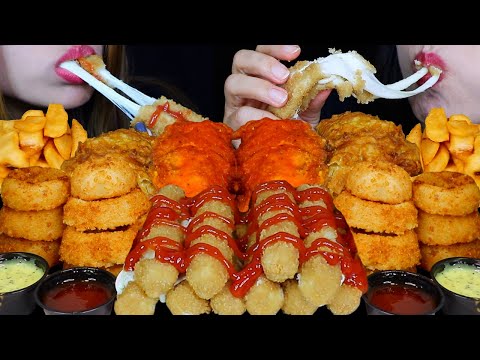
{"type": "Point", "coordinates": [377, 205]}
{"type": "Point", "coordinates": [31, 219]}
{"type": "Point", "coordinates": [104, 212]}
{"type": "Point", "coordinates": [448, 217]}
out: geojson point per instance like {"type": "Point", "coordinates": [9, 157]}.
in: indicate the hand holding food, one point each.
{"type": "Point", "coordinates": [255, 84]}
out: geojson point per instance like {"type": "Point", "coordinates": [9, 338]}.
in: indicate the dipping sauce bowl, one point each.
{"type": "Point", "coordinates": [398, 292]}
{"type": "Point", "coordinates": [459, 279]}
{"type": "Point", "coordinates": [20, 273]}
{"type": "Point", "coordinates": [77, 291]}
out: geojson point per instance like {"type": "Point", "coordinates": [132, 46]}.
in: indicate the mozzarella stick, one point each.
{"type": "Point", "coordinates": [295, 303]}
{"type": "Point", "coordinates": [224, 303]}
{"type": "Point", "coordinates": [182, 300]}
{"type": "Point", "coordinates": [265, 297]}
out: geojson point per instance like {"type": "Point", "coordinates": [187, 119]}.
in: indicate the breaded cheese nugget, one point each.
{"type": "Point", "coordinates": [379, 181]}
{"type": "Point", "coordinates": [154, 277]}
{"type": "Point", "coordinates": [346, 300]}
{"type": "Point", "coordinates": [224, 303]}
{"type": "Point", "coordinates": [295, 303]}
{"type": "Point", "coordinates": [103, 177]}
{"type": "Point", "coordinates": [35, 188]}
{"type": "Point", "coordinates": [265, 297]}
{"type": "Point", "coordinates": [182, 300]}
{"type": "Point", "coordinates": [133, 301]}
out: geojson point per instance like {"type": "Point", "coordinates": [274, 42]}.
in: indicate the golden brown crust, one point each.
{"type": "Point", "coordinates": [46, 249]}
{"type": "Point", "coordinates": [107, 213]}
{"type": "Point", "coordinates": [446, 193]}
{"type": "Point", "coordinates": [387, 252]}
{"type": "Point", "coordinates": [35, 188]}
{"type": "Point", "coordinates": [295, 303]}
{"type": "Point", "coordinates": [98, 249]}
{"type": "Point", "coordinates": [447, 230]}
{"type": "Point", "coordinates": [434, 253]}
{"type": "Point", "coordinates": [102, 177]}
{"type": "Point", "coordinates": [379, 181]}
{"type": "Point", "coordinates": [42, 225]}
{"type": "Point", "coordinates": [182, 300]}
{"type": "Point", "coordinates": [376, 217]}
{"type": "Point", "coordinates": [224, 303]}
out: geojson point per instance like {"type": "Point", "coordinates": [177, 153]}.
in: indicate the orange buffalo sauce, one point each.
{"type": "Point", "coordinates": [308, 220]}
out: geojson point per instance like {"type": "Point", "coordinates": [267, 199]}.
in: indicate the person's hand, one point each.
{"type": "Point", "coordinates": [252, 86]}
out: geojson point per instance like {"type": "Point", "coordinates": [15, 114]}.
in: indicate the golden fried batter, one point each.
{"type": "Point", "coordinates": [46, 249]}
{"type": "Point", "coordinates": [354, 136]}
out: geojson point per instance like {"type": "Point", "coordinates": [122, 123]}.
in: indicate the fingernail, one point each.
{"type": "Point", "coordinates": [280, 72]}
{"type": "Point", "coordinates": [278, 96]}
{"type": "Point", "coordinates": [291, 49]}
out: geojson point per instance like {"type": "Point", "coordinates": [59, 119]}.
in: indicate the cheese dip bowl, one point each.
{"type": "Point", "coordinates": [20, 273]}
{"type": "Point", "coordinates": [459, 279]}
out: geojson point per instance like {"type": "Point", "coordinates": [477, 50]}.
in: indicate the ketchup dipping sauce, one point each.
{"type": "Point", "coordinates": [77, 291]}
{"type": "Point", "coordinates": [398, 292]}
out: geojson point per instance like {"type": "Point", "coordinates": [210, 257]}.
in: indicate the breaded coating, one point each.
{"type": "Point", "coordinates": [218, 207]}
{"type": "Point", "coordinates": [170, 232]}
{"type": "Point", "coordinates": [46, 249]}
{"type": "Point", "coordinates": [103, 177]}
{"type": "Point", "coordinates": [206, 275]}
{"type": "Point", "coordinates": [318, 281]}
{"type": "Point", "coordinates": [387, 252]}
{"type": "Point", "coordinates": [171, 191]}
{"type": "Point", "coordinates": [265, 297]}
{"type": "Point", "coordinates": [346, 300]}
{"type": "Point", "coordinates": [434, 253]}
{"type": "Point", "coordinates": [447, 230]}
{"type": "Point", "coordinates": [106, 214]}
{"type": "Point", "coordinates": [35, 188]}
{"type": "Point", "coordinates": [280, 261]}
{"type": "Point", "coordinates": [295, 303]}
{"type": "Point", "coordinates": [133, 301]}
{"type": "Point", "coordinates": [155, 278]}
{"type": "Point", "coordinates": [97, 249]}
{"type": "Point", "coordinates": [376, 217]}
{"type": "Point", "coordinates": [182, 300]}
{"type": "Point", "coordinates": [355, 136]}
{"type": "Point", "coordinates": [224, 303]}
{"type": "Point", "coordinates": [41, 225]}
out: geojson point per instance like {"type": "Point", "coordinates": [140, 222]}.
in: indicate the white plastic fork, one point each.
{"type": "Point", "coordinates": [346, 66]}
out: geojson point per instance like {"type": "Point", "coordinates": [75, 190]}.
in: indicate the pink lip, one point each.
{"type": "Point", "coordinates": [75, 52]}
{"type": "Point", "coordinates": [429, 59]}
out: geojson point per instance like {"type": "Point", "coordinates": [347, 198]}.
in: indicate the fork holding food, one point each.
{"type": "Point", "coordinates": [260, 85]}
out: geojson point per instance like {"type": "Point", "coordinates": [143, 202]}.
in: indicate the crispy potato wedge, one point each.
{"type": "Point", "coordinates": [415, 135]}
{"type": "Point", "coordinates": [32, 113]}
{"type": "Point", "coordinates": [440, 161]}
{"type": "Point", "coordinates": [461, 128]}
{"type": "Point", "coordinates": [31, 124]}
{"type": "Point", "coordinates": [57, 121]}
{"type": "Point", "coordinates": [10, 152]}
{"type": "Point", "coordinates": [436, 125]}
{"type": "Point", "coordinates": [64, 145]}
{"type": "Point", "coordinates": [459, 144]}
{"type": "Point", "coordinates": [428, 150]}
{"type": "Point", "coordinates": [31, 140]}
{"type": "Point", "coordinates": [52, 156]}
{"type": "Point", "coordinates": [79, 135]}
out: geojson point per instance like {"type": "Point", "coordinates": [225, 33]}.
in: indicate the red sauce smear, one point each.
{"type": "Point", "coordinates": [402, 299]}
{"type": "Point", "coordinates": [76, 296]}
{"type": "Point", "coordinates": [165, 108]}
{"type": "Point", "coordinates": [308, 220]}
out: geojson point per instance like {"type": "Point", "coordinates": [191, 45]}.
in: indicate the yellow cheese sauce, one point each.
{"type": "Point", "coordinates": [17, 274]}
{"type": "Point", "coordinates": [462, 279]}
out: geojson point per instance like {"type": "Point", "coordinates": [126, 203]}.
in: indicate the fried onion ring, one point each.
{"type": "Point", "coordinates": [447, 230]}
{"type": "Point", "coordinates": [434, 253]}
{"type": "Point", "coordinates": [387, 252]}
{"type": "Point", "coordinates": [446, 193]}
{"type": "Point", "coordinates": [379, 181]}
{"type": "Point", "coordinates": [103, 177]}
{"type": "Point", "coordinates": [42, 225]}
{"type": "Point", "coordinates": [106, 214]}
{"type": "Point", "coordinates": [97, 249]}
{"type": "Point", "coordinates": [46, 249]}
{"type": "Point", "coordinates": [376, 217]}
{"type": "Point", "coordinates": [35, 188]}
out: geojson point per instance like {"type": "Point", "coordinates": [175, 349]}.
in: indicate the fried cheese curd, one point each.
{"type": "Point", "coordinates": [353, 137]}
{"type": "Point", "coordinates": [278, 150]}
{"type": "Point", "coordinates": [194, 155]}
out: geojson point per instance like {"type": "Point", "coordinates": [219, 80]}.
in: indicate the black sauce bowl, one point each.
{"type": "Point", "coordinates": [78, 274]}
{"type": "Point", "coordinates": [21, 301]}
{"type": "Point", "coordinates": [386, 278]}
{"type": "Point", "coordinates": [456, 304]}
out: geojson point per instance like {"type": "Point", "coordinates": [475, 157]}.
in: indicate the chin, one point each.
{"type": "Point", "coordinates": [74, 98]}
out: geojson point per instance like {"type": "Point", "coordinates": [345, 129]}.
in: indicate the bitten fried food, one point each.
{"type": "Point", "coordinates": [195, 156]}
{"type": "Point", "coordinates": [446, 193]}
{"type": "Point", "coordinates": [35, 188]}
{"type": "Point", "coordinates": [353, 137]}
{"type": "Point", "coordinates": [271, 150]}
